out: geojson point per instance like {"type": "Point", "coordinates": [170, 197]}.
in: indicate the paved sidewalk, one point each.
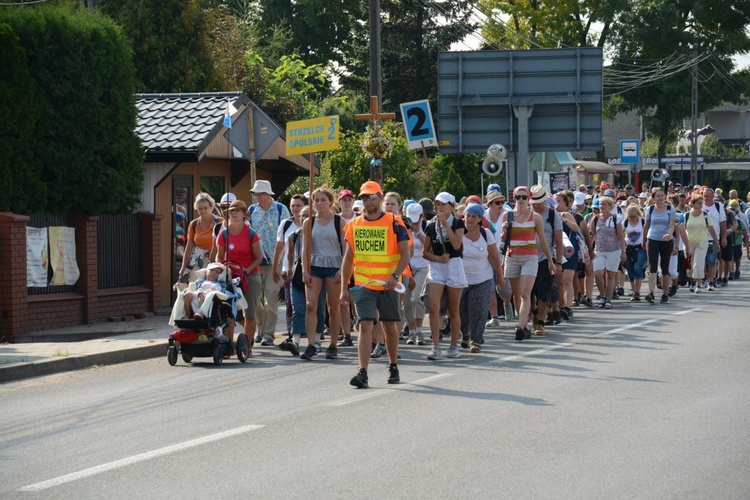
{"type": "Point", "coordinates": [106, 343]}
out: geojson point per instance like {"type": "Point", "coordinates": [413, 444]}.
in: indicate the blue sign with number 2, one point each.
{"type": "Point", "coordinates": [420, 131]}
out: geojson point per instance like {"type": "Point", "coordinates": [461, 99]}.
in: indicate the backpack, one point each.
{"type": "Point", "coordinates": [297, 282]}
{"type": "Point", "coordinates": [651, 209]}
{"type": "Point", "coordinates": [288, 222]}
{"type": "Point", "coordinates": [687, 216]}
{"type": "Point", "coordinates": [505, 244]}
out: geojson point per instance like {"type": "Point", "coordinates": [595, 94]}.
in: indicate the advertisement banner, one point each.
{"type": "Point", "coordinates": [36, 257]}
{"type": "Point", "coordinates": [62, 244]}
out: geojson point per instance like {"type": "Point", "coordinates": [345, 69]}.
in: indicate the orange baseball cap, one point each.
{"type": "Point", "coordinates": [370, 187]}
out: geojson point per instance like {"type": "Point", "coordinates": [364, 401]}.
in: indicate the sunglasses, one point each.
{"type": "Point", "coordinates": [522, 197]}
{"type": "Point", "coordinates": [499, 202]}
{"type": "Point", "coordinates": [369, 197]}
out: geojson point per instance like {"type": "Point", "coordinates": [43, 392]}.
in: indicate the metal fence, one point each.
{"type": "Point", "coordinates": [119, 251]}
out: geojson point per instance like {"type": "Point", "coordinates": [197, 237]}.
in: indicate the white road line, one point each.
{"type": "Point", "coordinates": [373, 394]}
{"type": "Point", "coordinates": [626, 327]}
{"type": "Point", "coordinates": [117, 464]}
{"type": "Point", "coordinates": [687, 311]}
{"type": "Point", "coordinates": [532, 353]}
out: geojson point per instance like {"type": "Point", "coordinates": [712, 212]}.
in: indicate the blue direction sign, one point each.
{"type": "Point", "coordinates": [420, 131]}
{"type": "Point", "coordinates": [630, 151]}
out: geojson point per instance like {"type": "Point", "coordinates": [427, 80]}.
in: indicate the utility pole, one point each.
{"type": "Point", "coordinates": [375, 68]}
{"type": "Point", "coordinates": [695, 49]}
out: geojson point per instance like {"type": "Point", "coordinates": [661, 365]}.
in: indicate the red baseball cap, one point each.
{"type": "Point", "coordinates": [346, 192]}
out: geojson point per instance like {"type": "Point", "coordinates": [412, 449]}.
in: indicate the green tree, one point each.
{"type": "Point", "coordinates": [21, 188]}
{"type": "Point", "coordinates": [171, 43]}
{"type": "Point", "coordinates": [85, 147]}
{"type": "Point", "coordinates": [412, 33]}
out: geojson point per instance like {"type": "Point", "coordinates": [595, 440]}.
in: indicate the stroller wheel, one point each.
{"type": "Point", "coordinates": [187, 358]}
{"type": "Point", "coordinates": [218, 354]}
{"type": "Point", "coordinates": [172, 355]}
{"type": "Point", "coordinates": [243, 347]}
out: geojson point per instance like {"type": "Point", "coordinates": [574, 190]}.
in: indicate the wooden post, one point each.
{"type": "Point", "coordinates": [312, 175]}
{"type": "Point", "coordinates": [251, 142]}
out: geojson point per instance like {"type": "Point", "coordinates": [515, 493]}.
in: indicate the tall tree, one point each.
{"type": "Point", "coordinates": [170, 40]}
{"type": "Point", "coordinates": [657, 31]}
{"type": "Point", "coordinates": [412, 32]}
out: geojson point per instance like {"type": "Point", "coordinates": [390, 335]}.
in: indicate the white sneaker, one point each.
{"type": "Point", "coordinates": [436, 353]}
{"type": "Point", "coordinates": [420, 339]}
{"type": "Point", "coordinates": [453, 352]}
{"type": "Point", "coordinates": [711, 287]}
{"type": "Point", "coordinates": [411, 340]}
{"type": "Point", "coordinates": [509, 314]}
{"type": "Point", "coordinates": [698, 289]}
{"type": "Point", "coordinates": [378, 351]}
{"type": "Point", "coordinates": [493, 323]}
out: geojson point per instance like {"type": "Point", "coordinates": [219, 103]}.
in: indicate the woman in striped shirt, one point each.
{"type": "Point", "coordinates": [522, 228]}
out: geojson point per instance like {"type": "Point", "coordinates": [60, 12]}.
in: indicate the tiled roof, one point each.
{"type": "Point", "coordinates": [182, 123]}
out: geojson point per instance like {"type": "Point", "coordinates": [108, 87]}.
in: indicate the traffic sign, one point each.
{"type": "Point", "coordinates": [420, 131]}
{"type": "Point", "coordinates": [630, 151]}
{"type": "Point", "coordinates": [311, 136]}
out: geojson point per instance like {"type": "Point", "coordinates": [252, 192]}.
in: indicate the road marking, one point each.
{"type": "Point", "coordinates": [532, 353]}
{"type": "Point", "coordinates": [396, 387]}
{"type": "Point", "coordinates": [117, 464]}
{"type": "Point", "coordinates": [626, 327]}
{"type": "Point", "coordinates": [687, 311]}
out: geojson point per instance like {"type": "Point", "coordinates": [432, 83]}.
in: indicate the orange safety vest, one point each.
{"type": "Point", "coordinates": [375, 249]}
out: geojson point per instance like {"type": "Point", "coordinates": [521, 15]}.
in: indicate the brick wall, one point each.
{"type": "Point", "coordinates": [21, 313]}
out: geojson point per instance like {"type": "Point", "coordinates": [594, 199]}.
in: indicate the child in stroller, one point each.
{"type": "Point", "coordinates": [205, 314]}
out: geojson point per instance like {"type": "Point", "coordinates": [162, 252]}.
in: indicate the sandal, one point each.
{"type": "Point", "coordinates": [199, 317]}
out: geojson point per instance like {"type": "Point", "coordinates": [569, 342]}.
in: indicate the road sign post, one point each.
{"type": "Point", "coordinates": [312, 136]}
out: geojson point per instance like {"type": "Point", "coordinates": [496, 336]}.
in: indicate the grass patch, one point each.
{"type": "Point", "coordinates": [63, 353]}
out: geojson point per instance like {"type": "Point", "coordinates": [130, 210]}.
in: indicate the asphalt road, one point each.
{"type": "Point", "coordinates": [643, 401]}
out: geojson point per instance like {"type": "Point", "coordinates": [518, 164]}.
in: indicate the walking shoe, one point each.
{"type": "Point", "coordinates": [347, 342]}
{"type": "Point", "coordinates": [465, 344]}
{"type": "Point", "coordinates": [664, 298]}
{"type": "Point", "coordinates": [620, 290]}
{"type": "Point", "coordinates": [539, 329]}
{"type": "Point", "coordinates": [360, 379]}
{"type": "Point", "coordinates": [575, 303]}
{"type": "Point", "coordinates": [266, 342]}
{"type": "Point", "coordinates": [493, 323]}
{"type": "Point", "coordinates": [564, 314]}
{"type": "Point", "coordinates": [650, 297]}
{"type": "Point", "coordinates": [519, 333]}
{"type": "Point", "coordinates": [672, 290]}
{"type": "Point", "coordinates": [731, 276]}
{"type": "Point", "coordinates": [615, 296]}
{"type": "Point", "coordinates": [412, 339]}
{"type": "Point", "coordinates": [586, 301]}
{"type": "Point", "coordinates": [692, 288]}
{"type": "Point", "coordinates": [378, 351]}
{"type": "Point", "coordinates": [636, 297]}
{"type": "Point", "coordinates": [526, 333]}
{"type": "Point", "coordinates": [404, 333]}
{"type": "Point", "coordinates": [309, 352]}
{"type": "Point", "coordinates": [289, 346]}
{"type": "Point", "coordinates": [556, 317]}
{"type": "Point", "coordinates": [475, 347]}
{"type": "Point", "coordinates": [698, 289]}
{"type": "Point", "coordinates": [436, 353]}
{"type": "Point", "coordinates": [608, 305]}
{"type": "Point", "coordinates": [453, 352]}
{"type": "Point", "coordinates": [332, 352]}
{"type": "Point", "coordinates": [602, 301]}
{"type": "Point", "coordinates": [393, 377]}
{"type": "Point", "coordinates": [509, 313]}
{"type": "Point", "coordinates": [317, 347]}
{"type": "Point", "coordinates": [724, 282]}
{"type": "Point", "coordinates": [711, 286]}
{"type": "Point", "coordinates": [257, 339]}
{"type": "Point", "coordinates": [420, 339]}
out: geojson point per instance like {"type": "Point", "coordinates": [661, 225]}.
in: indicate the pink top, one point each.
{"type": "Point", "coordinates": [523, 237]}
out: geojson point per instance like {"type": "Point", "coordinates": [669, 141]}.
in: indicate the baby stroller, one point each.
{"type": "Point", "coordinates": [205, 337]}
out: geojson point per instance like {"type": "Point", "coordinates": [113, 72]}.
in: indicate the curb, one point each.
{"type": "Point", "coordinates": [50, 366]}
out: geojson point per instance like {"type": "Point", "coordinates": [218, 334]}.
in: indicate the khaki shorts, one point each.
{"type": "Point", "coordinates": [373, 305]}
{"type": "Point", "coordinates": [521, 265]}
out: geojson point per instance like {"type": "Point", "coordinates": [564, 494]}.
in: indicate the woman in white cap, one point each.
{"type": "Point", "coordinates": [443, 250]}
{"type": "Point", "coordinates": [413, 305]}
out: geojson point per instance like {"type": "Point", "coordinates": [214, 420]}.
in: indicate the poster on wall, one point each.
{"type": "Point", "coordinates": [37, 260]}
{"type": "Point", "coordinates": [62, 244]}
{"type": "Point", "coordinates": [559, 181]}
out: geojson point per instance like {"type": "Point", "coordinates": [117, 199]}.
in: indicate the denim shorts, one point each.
{"type": "Point", "coordinates": [323, 272]}
{"type": "Point", "coordinates": [712, 255]}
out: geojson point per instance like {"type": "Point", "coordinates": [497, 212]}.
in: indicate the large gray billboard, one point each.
{"type": "Point", "coordinates": [480, 94]}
